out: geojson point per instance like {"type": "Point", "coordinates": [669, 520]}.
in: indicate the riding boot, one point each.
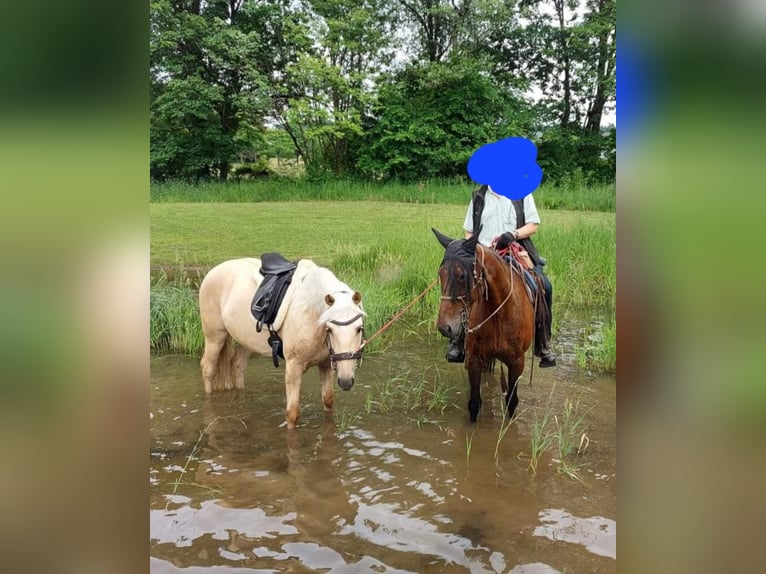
{"type": "Point", "coordinates": [547, 358]}
{"type": "Point", "coordinates": [456, 351]}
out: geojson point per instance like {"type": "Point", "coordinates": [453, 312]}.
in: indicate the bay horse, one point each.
{"type": "Point", "coordinates": [485, 304]}
{"type": "Point", "coordinates": [320, 322]}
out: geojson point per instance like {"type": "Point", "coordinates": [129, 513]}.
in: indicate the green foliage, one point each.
{"type": "Point", "coordinates": [208, 88]}
{"type": "Point", "coordinates": [431, 118]}
{"type": "Point", "coordinates": [569, 154]}
{"type": "Point", "coordinates": [251, 170]}
{"type": "Point", "coordinates": [317, 82]}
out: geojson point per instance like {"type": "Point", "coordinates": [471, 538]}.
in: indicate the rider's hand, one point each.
{"type": "Point", "coordinates": [505, 240]}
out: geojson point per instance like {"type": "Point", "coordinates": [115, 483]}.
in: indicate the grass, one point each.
{"type": "Point", "coordinates": [385, 250]}
{"type": "Point", "coordinates": [598, 350]}
{"type": "Point", "coordinates": [571, 437]}
{"type": "Point", "coordinates": [345, 420]}
{"type": "Point", "coordinates": [468, 445]}
{"type": "Point", "coordinates": [410, 393]}
{"type": "Point", "coordinates": [565, 431]}
{"type": "Point", "coordinates": [174, 322]}
{"type": "Point", "coordinates": [570, 195]}
{"type": "Point", "coordinates": [541, 439]}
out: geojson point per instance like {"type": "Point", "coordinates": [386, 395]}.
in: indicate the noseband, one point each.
{"type": "Point", "coordinates": [348, 356]}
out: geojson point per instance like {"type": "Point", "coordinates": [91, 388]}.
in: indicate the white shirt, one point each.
{"type": "Point", "coordinates": [499, 216]}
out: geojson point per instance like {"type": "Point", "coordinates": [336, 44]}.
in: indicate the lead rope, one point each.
{"type": "Point", "coordinates": [396, 317]}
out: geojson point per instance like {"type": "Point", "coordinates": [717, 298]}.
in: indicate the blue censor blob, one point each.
{"type": "Point", "coordinates": [508, 166]}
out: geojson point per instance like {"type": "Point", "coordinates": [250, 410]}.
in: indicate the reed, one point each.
{"type": "Point", "coordinates": [573, 195]}
{"type": "Point", "coordinates": [174, 321]}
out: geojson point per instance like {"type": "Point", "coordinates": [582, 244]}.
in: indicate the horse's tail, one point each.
{"type": "Point", "coordinates": [223, 377]}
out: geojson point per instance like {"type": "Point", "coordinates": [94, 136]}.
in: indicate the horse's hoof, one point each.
{"type": "Point", "coordinates": [547, 359]}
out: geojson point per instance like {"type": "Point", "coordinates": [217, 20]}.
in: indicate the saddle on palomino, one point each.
{"type": "Point", "coordinates": [277, 272]}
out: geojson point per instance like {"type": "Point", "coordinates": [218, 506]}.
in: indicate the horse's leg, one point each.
{"type": "Point", "coordinates": [475, 366]}
{"type": "Point", "coordinates": [293, 376]}
{"type": "Point", "coordinates": [241, 358]}
{"type": "Point", "coordinates": [515, 370]}
{"type": "Point", "coordinates": [326, 378]}
{"type": "Point", "coordinates": [214, 343]}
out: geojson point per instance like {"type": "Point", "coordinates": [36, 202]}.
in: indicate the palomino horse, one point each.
{"type": "Point", "coordinates": [484, 302]}
{"type": "Point", "coordinates": [320, 323]}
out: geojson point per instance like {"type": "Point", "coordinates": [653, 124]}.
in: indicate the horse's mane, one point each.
{"type": "Point", "coordinates": [320, 282]}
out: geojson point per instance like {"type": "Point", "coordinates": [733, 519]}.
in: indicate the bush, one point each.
{"type": "Point", "coordinates": [252, 170]}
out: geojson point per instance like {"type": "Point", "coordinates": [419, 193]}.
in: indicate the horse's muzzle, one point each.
{"type": "Point", "coordinates": [456, 351]}
{"type": "Point", "coordinates": [346, 384]}
{"type": "Point", "coordinates": [449, 331]}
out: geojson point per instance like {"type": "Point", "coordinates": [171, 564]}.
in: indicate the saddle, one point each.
{"type": "Point", "coordinates": [278, 273]}
{"type": "Point", "coordinates": [536, 293]}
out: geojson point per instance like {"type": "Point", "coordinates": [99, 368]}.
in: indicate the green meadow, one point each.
{"type": "Point", "coordinates": [384, 249]}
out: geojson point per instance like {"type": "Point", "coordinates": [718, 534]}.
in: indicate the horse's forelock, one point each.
{"type": "Point", "coordinates": [342, 309]}
{"type": "Point", "coordinates": [457, 256]}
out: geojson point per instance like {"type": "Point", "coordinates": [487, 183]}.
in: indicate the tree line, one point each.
{"type": "Point", "coordinates": [383, 89]}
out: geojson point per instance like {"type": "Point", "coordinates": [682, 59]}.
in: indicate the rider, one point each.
{"type": "Point", "coordinates": [499, 218]}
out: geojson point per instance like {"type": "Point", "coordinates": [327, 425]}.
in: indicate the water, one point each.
{"type": "Point", "coordinates": [233, 491]}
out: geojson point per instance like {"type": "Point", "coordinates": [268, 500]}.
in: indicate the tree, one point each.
{"type": "Point", "coordinates": [599, 58]}
{"type": "Point", "coordinates": [430, 119]}
{"type": "Point", "coordinates": [207, 94]}
{"type": "Point", "coordinates": [331, 85]}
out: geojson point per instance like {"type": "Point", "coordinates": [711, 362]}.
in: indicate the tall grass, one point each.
{"type": "Point", "coordinates": [598, 349]}
{"type": "Point", "coordinates": [285, 189]}
{"type": "Point", "coordinates": [577, 196]}
{"type": "Point", "coordinates": [572, 195]}
{"type": "Point", "coordinates": [174, 324]}
{"type": "Point", "coordinates": [409, 392]}
{"type": "Point", "coordinates": [564, 430]}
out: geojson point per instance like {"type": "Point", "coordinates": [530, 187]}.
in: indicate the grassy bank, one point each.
{"type": "Point", "coordinates": [571, 196]}
{"type": "Point", "coordinates": [385, 250]}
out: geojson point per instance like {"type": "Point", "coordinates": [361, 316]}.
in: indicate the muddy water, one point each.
{"type": "Point", "coordinates": [233, 491]}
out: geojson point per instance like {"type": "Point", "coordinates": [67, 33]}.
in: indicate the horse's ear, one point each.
{"type": "Point", "coordinates": [329, 299]}
{"type": "Point", "coordinates": [470, 244]}
{"type": "Point", "coordinates": [357, 297]}
{"type": "Point", "coordinates": [443, 239]}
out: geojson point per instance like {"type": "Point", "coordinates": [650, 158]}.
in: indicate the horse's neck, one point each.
{"type": "Point", "coordinates": [511, 280]}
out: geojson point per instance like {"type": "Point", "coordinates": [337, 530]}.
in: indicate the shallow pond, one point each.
{"type": "Point", "coordinates": [384, 485]}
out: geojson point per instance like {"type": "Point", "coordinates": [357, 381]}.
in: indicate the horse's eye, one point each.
{"type": "Point", "coordinates": [359, 329]}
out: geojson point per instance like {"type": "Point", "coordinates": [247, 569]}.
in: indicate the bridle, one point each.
{"type": "Point", "coordinates": [348, 356]}
{"type": "Point", "coordinates": [479, 282]}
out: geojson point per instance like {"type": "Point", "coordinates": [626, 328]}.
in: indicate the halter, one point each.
{"type": "Point", "coordinates": [348, 356]}
{"type": "Point", "coordinates": [479, 282]}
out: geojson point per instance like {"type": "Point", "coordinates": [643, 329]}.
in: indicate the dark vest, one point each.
{"type": "Point", "coordinates": [518, 204]}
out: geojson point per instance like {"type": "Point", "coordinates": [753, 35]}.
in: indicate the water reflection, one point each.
{"type": "Point", "coordinates": [597, 534]}
{"type": "Point", "coordinates": [233, 491]}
